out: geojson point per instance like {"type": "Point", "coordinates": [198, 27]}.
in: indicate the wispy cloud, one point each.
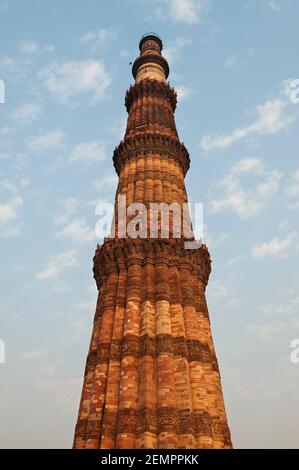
{"type": "Point", "coordinates": [33, 355]}
{"type": "Point", "coordinates": [51, 140]}
{"type": "Point", "coordinates": [124, 54]}
{"type": "Point", "coordinates": [99, 38]}
{"type": "Point", "coordinates": [78, 231]}
{"type": "Point", "coordinates": [31, 48]}
{"type": "Point", "coordinates": [235, 259]}
{"type": "Point", "coordinates": [186, 11]}
{"type": "Point", "coordinates": [183, 11]}
{"type": "Point", "coordinates": [268, 330]}
{"type": "Point", "coordinates": [4, 156]}
{"type": "Point", "coordinates": [10, 208]}
{"type": "Point", "coordinates": [6, 130]}
{"type": "Point", "coordinates": [26, 113]}
{"type": "Point", "coordinates": [289, 307]}
{"type": "Point", "coordinates": [69, 207]}
{"type": "Point", "coordinates": [89, 152]}
{"type": "Point", "coordinates": [106, 183]}
{"type": "Point", "coordinates": [12, 68]}
{"type": "Point", "coordinates": [56, 264]}
{"type": "Point", "coordinates": [79, 321]}
{"type": "Point", "coordinates": [234, 63]}
{"type": "Point", "coordinates": [173, 50]}
{"type": "Point", "coordinates": [69, 80]}
{"type": "Point", "coordinates": [3, 6]}
{"type": "Point", "coordinates": [277, 247]}
{"type": "Point", "coordinates": [274, 5]}
{"type": "Point", "coordinates": [218, 289]}
{"type": "Point", "coordinates": [293, 191]}
{"type": "Point", "coordinates": [183, 92]}
{"type": "Point", "coordinates": [271, 118]}
{"type": "Point", "coordinates": [247, 202]}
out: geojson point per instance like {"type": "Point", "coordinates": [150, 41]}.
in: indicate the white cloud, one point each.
{"type": "Point", "coordinates": [69, 207]}
{"type": "Point", "coordinates": [33, 355]}
{"type": "Point", "coordinates": [293, 191]}
{"type": "Point", "coordinates": [78, 231]}
{"type": "Point", "coordinates": [173, 51]}
{"type": "Point", "coordinates": [288, 307]}
{"type": "Point", "coordinates": [269, 330]}
{"type": "Point", "coordinates": [272, 117]}
{"type": "Point", "coordinates": [234, 63]}
{"type": "Point", "coordinates": [68, 80]}
{"type": "Point", "coordinates": [247, 202]}
{"type": "Point", "coordinates": [211, 240]}
{"type": "Point", "coordinates": [187, 11]}
{"type": "Point", "coordinates": [3, 6]}
{"type": "Point", "coordinates": [29, 47]}
{"type": "Point", "coordinates": [26, 113]}
{"type": "Point", "coordinates": [106, 183]}
{"type": "Point", "coordinates": [6, 130]}
{"type": "Point", "coordinates": [13, 68]}
{"type": "Point", "coordinates": [11, 231]}
{"type": "Point", "coordinates": [56, 264]}
{"type": "Point", "coordinates": [124, 54]}
{"type": "Point", "coordinates": [10, 208]}
{"type": "Point", "coordinates": [50, 141]}
{"type": "Point", "coordinates": [4, 156]}
{"type": "Point", "coordinates": [218, 289]}
{"type": "Point", "coordinates": [89, 152]}
{"type": "Point", "coordinates": [99, 38]}
{"type": "Point", "coordinates": [61, 394]}
{"type": "Point", "coordinates": [183, 92]}
{"type": "Point", "coordinates": [277, 247]}
{"type": "Point", "coordinates": [88, 306]}
{"type": "Point", "coordinates": [117, 127]}
{"type": "Point", "coordinates": [235, 259]}
{"type": "Point", "coordinates": [79, 320]}
{"type": "Point", "coordinates": [273, 5]}
{"type": "Point", "coordinates": [59, 288]}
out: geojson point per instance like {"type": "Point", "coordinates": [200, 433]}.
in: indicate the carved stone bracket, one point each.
{"type": "Point", "coordinates": [152, 88]}
{"type": "Point", "coordinates": [151, 143]}
{"type": "Point", "coordinates": [115, 253]}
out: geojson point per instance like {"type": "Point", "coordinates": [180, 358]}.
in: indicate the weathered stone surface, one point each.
{"type": "Point", "coordinates": [151, 378]}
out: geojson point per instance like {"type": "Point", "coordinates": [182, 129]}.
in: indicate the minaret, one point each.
{"type": "Point", "coordinates": [151, 377]}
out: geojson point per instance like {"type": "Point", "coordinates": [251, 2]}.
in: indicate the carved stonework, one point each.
{"type": "Point", "coordinates": [151, 89]}
{"type": "Point", "coordinates": [149, 59]}
{"type": "Point", "coordinates": [151, 377]}
{"type": "Point", "coordinates": [158, 144]}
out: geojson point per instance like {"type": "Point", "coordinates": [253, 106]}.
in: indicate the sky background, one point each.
{"type": "Point", "coordinates": [65, 65]}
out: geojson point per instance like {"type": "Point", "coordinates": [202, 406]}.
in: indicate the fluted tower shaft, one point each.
{"type": "Point", "coordinates": [152, 378]}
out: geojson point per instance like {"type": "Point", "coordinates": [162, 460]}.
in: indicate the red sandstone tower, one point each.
{"type": "Point", "coordinates": [151, 377]}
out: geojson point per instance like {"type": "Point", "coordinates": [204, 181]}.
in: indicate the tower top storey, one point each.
{"type": "Point", "coordinates": [150, 64]}
{"type": "Point", "coordinates": [150, 41]}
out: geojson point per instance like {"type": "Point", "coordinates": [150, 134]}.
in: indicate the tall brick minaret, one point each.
{"type": "Point", "coordinates": [151, 377]}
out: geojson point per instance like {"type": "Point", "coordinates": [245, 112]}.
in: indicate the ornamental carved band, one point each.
{"type": "Point", "coordinates": [151, 378]}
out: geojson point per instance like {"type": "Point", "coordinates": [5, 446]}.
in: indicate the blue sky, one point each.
{"type": "Point", "coordinates": [65, 65]}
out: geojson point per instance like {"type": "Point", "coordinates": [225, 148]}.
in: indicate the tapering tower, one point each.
{"type": "Point", "coordinates": [151, 377]}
